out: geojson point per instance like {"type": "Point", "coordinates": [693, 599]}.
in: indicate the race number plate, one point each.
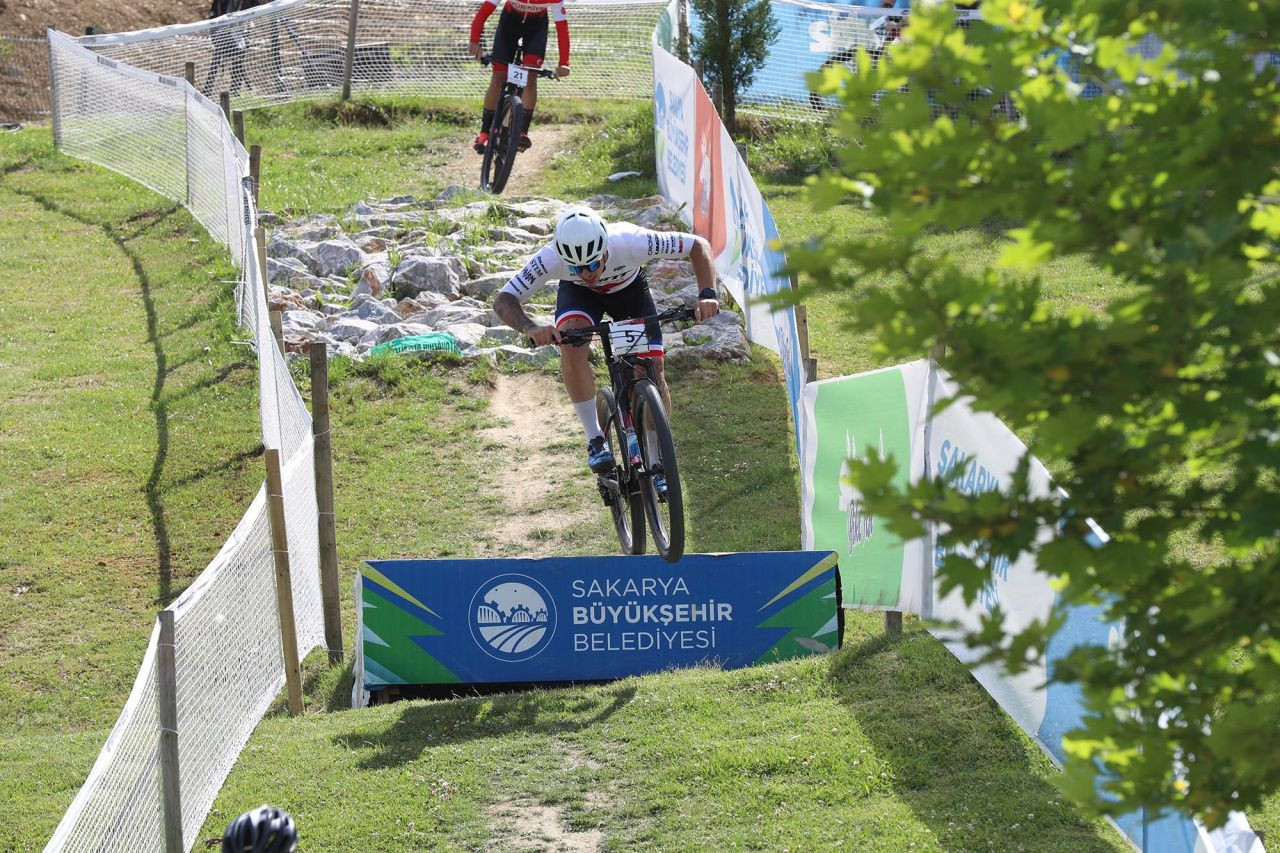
{"type": "Point", "coordinates": [517, 75]}
{"type": "Point", "coordinates": [630, 338]}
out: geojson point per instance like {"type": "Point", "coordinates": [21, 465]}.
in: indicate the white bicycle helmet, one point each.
{"type": "Point", "coordinates": [580, 236]}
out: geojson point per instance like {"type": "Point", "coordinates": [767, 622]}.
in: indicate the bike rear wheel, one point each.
{"type": "Point", "coordinates": [627, 506]}
{"type": "Point", "coordinates": [665, 512]}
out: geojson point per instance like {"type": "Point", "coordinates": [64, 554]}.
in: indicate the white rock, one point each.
{"type": "Point", "coordinates": [375, 311]}
{"type": "Point", "coordinates": [535, 224]}
{"type": "Point", "coordinates": [337, 257]}
{"type": "Point", "coordinates": [400, 330]}
{"type": "Point", "coordinates": [515, 235]}
{"type": "Point", "coordinates": [451, 314]}
{"type": "Point", "coordinates": [352, 328]}
{"type": "Point", "coordinates": [466, 334]}
{"type": "Point", "coordinates": [504, 334]}
{"type": "Point", "coordinates": [488, 284]}
{"type": "Point", "coordinates": [301, 321]}
{"type": "Point", "coordinates": [417, 274]}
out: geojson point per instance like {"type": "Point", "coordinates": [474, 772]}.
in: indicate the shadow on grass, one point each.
{"type": "Point", "coordinates": [433, 724]}
{"type": "Point", "coordinates": [120, 233]}
{"type": "Point", "coordinates": [957, 760]}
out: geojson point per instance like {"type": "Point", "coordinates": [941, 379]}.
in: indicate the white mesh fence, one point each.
{"type": "Point", "coordinates": [165, 135]}
{"type": "Point", "coordinates": [24, 77]}
{"type": "Point", "coordinates": [293, 49]}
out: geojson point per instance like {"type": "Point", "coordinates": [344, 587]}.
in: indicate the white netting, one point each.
{"type": "Point", "coordinates": [24, 77]}
{"type": "Point", "coordinates": [163, 134]}
{"type": "Point", "coordinates": [293, 49]}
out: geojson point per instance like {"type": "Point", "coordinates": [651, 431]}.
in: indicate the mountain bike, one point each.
{"type": "Point", "coordinates": [632, 414]}
{"type": "Point", "coordinates": [508, 118]}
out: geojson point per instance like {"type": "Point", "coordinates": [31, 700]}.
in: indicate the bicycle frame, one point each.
{"type": "Point", "coordinates": [626, 370]}
{"type": "Point", "coordinates": [503, 143]}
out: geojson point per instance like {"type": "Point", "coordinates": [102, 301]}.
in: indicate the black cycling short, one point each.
{"type": "Point", "coordinates": [634, 300]}
{"type": "Point", "coordinates": [529, 31]}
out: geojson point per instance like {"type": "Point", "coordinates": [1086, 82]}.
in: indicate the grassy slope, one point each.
{"type": "Point", "coordinates": [889, 732]}
{"type": "Point", "coordinates": [437, 760]}
{"type": "Point", "coordinates": [128, 431]}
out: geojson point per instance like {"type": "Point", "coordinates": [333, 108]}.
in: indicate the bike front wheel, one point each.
{"type": "Point", "coordinates": [621, 484]}
{"type": "Point", "coordinates": [664, 509]}
{"type": "Point", "coordinates": [504, 139]}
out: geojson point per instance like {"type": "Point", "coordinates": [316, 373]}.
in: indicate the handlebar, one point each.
{"type": "Point", "coordinates": [538, 72]}
{"type": "Point", "coordinates": [583, 334]}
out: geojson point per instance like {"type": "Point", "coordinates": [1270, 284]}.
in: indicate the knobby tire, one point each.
{"type": "Point", "coordinates": [628, 507]}
{"type": "Point", "coordinates": [491, 147]}
{"type": "Point", "coordinates": [507, 141]}
{"type": "Point", "coordinates": [668, 533]}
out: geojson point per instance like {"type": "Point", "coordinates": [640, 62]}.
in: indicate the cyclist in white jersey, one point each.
{"type": "Point", "coordinates": [601, 271]}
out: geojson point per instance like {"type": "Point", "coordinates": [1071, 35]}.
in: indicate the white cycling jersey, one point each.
{"type": "Point", "coordinates": [630, 248]}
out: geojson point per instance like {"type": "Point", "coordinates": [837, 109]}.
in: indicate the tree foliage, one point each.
{"type": "Point", "coordinates": [1156, 161]}
{"type": "Point", "coordinates": [735, 39]}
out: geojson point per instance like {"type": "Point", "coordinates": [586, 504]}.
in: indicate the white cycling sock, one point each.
{"type": "Point", "coordinates": [587, 414]}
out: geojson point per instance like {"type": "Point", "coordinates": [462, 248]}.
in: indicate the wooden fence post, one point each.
{"type": "Point", "coordinates": [802, 322]}
{"type": "Point", "coordinates": [237, 124]}
{"type": "Point", "coordinates": [255, 169]}
{"type": "Point", "coordinates": [189, 73]}
{"type": "Point", "coordinates": [324, 500]}
{"type": "Point", "coordinates": [224, 101]}
{"type": "Point", "coordinates": [893, 622]}
{"type": "Point", "coordinates": [284, 583]}
{"type": "Point", "coordinates": [170, 780]}
{"type": "Point", "coordinates": [351, 49]}
{"type": "Point", "coordinates": [260, 240]}
{"type": "Point", "coordinates": [277, 328]}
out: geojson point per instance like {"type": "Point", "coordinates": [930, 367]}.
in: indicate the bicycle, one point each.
{"type": "Point", "coordinates": [508, 117]}
{"type": "Point", "coordinates": [632, 397]}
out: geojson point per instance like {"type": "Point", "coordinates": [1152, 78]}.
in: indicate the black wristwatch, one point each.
{"type": "Point", "coordinates": [708, 293]}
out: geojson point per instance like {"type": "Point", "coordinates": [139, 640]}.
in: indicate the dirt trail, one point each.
{"type": "Point", "coordinates": [541, 436]}
{"type": "Point", "coordinates": [548, 141]}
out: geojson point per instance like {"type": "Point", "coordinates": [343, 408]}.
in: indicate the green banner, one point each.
{"type": "Point", "coordinates": [854, 415]}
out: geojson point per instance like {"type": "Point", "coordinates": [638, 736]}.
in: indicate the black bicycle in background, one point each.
{"type": "Point", "coordinates": [632, 414]}
{"type": "Point", "coordinates": [508, 118]}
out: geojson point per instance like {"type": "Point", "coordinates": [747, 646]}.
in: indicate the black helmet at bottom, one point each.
{"type": "Point", "coordinates": [265, 829]}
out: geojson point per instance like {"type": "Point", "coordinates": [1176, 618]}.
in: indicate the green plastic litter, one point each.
{"type": "Point", "coordinates": [438, 341]}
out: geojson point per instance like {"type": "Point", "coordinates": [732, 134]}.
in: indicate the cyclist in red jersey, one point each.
{"type": "Point", "coordinates": [522, 22]}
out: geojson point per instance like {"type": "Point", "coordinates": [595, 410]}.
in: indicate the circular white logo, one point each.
{"type": "Point", "coordinates": [513, 617]}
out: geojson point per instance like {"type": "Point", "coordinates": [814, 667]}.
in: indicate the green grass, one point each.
{"type": "Point", "coordinates": [881, 746]}
{"type": "Point", "coordinates": [126, 448]}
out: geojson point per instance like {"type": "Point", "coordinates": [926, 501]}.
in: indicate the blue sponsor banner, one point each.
{"type": "Point", "coordinates": [1064, 711]}
{"type": "Point", "coordinates": [591, 618]}
{"type": "Point", "coordinates": [784, 323]}
{"type": "Point", "coordinates": [810, 36]}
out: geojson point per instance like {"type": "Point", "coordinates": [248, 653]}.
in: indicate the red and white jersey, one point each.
{"type": "Point", "coordinates": [538, 7]}
{"type": "Point", "coordinates": [527, 8]}
{"type": "Point", "coordinates": [630, 248]}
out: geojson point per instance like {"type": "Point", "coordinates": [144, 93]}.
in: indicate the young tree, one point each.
{"type": "Point", "coordinates": [1143, 137]}
{"type": "Point", "coordinates": [735, 39]}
